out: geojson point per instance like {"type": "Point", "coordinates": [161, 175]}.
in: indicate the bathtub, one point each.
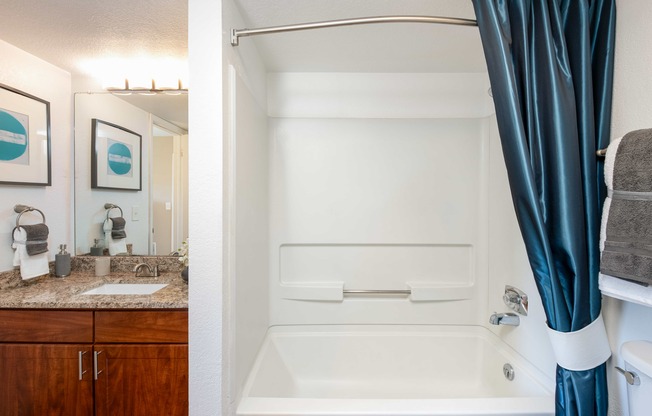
{"type": "Point", "coordinates": [391, 370]}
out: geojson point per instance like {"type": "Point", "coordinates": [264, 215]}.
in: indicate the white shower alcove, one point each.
{"type": "Point", "coordinates": [370, 173]}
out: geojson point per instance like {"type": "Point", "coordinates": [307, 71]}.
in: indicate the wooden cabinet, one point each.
{"type": "Point", "coordinates": [46, 326]}
{"type": "Point", "coordinates": [41, 356]}
{"type": "Point", "coordinates": [93, 362]}
{"type": "Point", "coordinates": [142, 360]}
{"type": "Point", "coordinates": [169, 327]}
{"type": "Point", "coordinates": [44, 379]}
{"type": "Point", "coordinates": [142, 380]}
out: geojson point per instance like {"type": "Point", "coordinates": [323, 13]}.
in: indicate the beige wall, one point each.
{"type": "Point", "coordinates": [162, 150]}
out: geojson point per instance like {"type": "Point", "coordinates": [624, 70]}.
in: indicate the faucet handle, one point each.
{"type": "Point", "coordinates": [516, 299]}
{"type": "Point", "coordinates": [151, 271]}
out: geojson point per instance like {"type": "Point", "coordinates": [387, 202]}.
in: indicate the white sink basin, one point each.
{"type": "Point", "coordinates": [125, 289]}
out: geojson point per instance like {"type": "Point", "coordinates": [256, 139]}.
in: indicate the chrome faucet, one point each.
{"type": "Point", "coordinates": [150, 272]}
{"type": "Point", "coordinates": [507, 318]}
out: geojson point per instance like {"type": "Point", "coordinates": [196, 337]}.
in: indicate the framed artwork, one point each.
{"type": "Point", "coordinates": [24, 139]}
{"type": "Point", "coordinates": [116, 157]}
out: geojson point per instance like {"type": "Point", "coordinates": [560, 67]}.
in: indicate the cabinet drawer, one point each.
{"type": "Point", "coordinates": [45, 326]}
{"type": "Point", "coordinates": [141, 326]}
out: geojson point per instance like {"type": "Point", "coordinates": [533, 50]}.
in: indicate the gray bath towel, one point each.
{"type": "Point", "coordinates": [118, 230]}
{"type": "Point", "coordinates": [628, 243]}
{"type": "Point", "coordinates": [37, 238]}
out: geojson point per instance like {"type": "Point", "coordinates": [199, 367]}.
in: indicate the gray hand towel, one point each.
{"type": "Point", "coordinates": [628, 243]}
{"type": "Point", "coordinates": [118, 230]}
{"type": "Point", "coordinates": [37, 238]}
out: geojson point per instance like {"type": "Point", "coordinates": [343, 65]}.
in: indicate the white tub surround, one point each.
{"type": "Point", "coordinates": [366, 198]}
{"type": "Point", "coordinates": [391, 370]}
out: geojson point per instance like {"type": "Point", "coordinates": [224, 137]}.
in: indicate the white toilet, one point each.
{"type": "Point", "coordinates": [638, 363]}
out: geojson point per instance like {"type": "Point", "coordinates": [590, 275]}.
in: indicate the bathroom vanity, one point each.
{"type": "Point", "coordinates": [63, 352]}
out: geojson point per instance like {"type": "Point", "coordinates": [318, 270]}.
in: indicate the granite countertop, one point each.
{"type": "Point", "coordinates": [66, 293]}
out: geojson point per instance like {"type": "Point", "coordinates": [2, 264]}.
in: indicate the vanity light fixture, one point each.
{"type": "Point", "coordinates": [148, 87]}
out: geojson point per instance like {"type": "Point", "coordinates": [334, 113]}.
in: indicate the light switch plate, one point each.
{"type": "Point", "coordinates": [135, 213]}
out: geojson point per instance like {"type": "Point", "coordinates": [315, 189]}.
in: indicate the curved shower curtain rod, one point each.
{"type": "Point", "coordinates": [237, 33]}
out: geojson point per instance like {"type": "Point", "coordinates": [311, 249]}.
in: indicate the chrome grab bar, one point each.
{"type": "Point", "coordinates": [402, 292]}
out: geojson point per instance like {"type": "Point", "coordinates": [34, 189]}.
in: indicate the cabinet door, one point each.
{"type": "Point", "coordinates": [44, 379]}
{"type": "Point", "coordinates": [141, 380]}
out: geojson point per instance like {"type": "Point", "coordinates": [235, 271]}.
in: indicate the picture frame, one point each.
{"type": "Point", "coordinates": [25, 139]}
{"type": "Point", "coordinates": [116, 157]}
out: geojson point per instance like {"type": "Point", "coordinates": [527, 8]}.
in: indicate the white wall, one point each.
{"type": "Point", "coordinates": [632, 110]}
{"type": "Point", "coordinates": [361, 196]}
{"type": "Point", "coordinates": [376, 204]}
{"type": "Point", "coordinates": [246, 288]}
{"type": "Point", "coordinates": [251, 220]}
{"type": "Point", "coordinates": [89, 203]}
{"type": "Point", "coordinates": [378, 95]}
{"type": "Point", "coordinates": [205, 292]}
{"type": "Point", "coordinates": [34, 76]}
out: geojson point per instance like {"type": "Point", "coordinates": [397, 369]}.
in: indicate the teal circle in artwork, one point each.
{"type": "Point", "coordinates": [119, 159]}
{"type": "Point", "coordinates": [13, 137]}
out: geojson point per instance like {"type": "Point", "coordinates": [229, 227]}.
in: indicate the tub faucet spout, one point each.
{"type": "Point", "coordinates": [507, 318]}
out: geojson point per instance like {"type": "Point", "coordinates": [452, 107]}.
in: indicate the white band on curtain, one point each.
{"type": "Point", "coordinates": [581, 350]}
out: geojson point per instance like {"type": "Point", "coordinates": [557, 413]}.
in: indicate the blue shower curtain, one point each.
{"type": "Point", "coordinates": [550, 65]}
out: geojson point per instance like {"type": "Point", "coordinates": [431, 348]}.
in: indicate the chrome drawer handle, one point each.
{"type": "Point", "coordinates": [95, 370]}
{"type": "Point", "coordinates": [81, 364]}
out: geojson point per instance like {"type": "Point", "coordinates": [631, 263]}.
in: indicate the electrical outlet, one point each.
{"type": "Point", "coordinates": [168, 206]}
{"type": "Point", "coordinates": [135, 213]}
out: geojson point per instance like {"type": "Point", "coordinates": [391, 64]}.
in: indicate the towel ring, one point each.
{"type": "Point", "coordinates": [21, 209]}
{"type": "Point", "coordinates": [108, 206]}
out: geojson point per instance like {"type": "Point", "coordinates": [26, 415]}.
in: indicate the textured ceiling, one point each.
{"type": "Point", "coordinates": [68, 33]}
{"type": "Point", "coordinates": [395, 47]}
{"type": "Point", "coordinates": [85, 36]}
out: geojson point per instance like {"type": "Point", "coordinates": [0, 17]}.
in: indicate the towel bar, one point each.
{"type": "Point", "coordinates": [21, 209]}
{"type": "Point", "coordinates": [601, 152]}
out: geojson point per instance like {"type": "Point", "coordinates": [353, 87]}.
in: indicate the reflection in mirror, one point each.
{"type": "Point", "coordinates": [155, 217]}
{"type": "Point", "coordinates": [169, 196]}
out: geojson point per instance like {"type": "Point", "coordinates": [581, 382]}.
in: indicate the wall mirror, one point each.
{"type": "Point", "coordinates": [156, 215]}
